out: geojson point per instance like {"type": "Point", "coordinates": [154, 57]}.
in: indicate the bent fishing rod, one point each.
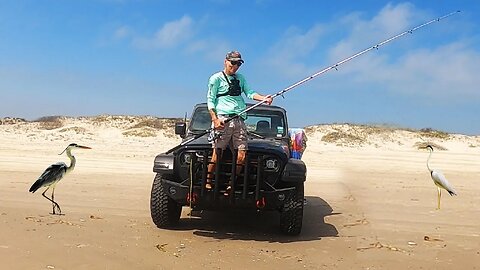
{"type": "Point", "coordinates": [316, 74]}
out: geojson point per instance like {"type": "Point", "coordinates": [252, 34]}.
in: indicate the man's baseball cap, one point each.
{"type": "Point", "coordinates": [234, 56]}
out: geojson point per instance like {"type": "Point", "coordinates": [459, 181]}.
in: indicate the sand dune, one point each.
{"type": "Point", "coordinates": [371, 202]}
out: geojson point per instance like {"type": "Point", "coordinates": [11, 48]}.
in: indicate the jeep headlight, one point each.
{"type": "Point", "coordinates": [185, 158]}
{"type": "Point", "coordinates": [272, 164]}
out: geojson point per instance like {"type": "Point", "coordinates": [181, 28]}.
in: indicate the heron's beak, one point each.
{"type": "Point", "coordinates": [76, 146]}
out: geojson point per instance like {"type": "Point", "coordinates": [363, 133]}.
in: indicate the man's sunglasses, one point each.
{"type": "Point", "coordinates": [236, 63]}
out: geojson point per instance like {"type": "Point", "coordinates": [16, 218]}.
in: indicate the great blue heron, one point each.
{"type": "Point", "coordinates": [439, 179]}
{"type": "Point", "coordinates": [55, 173]}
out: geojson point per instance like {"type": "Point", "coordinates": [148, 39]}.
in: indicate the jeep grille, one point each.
{"type": "Point", "coordinates": [251, 179]}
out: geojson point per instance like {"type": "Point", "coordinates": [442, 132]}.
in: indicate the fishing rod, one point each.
{"type": "Point", "coordinates": [318, 73]}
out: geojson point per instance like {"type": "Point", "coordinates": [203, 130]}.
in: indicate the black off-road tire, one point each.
{"type": "Point", "coordinates": [291, 215]}
{"type": "Point", "coordinates": [165, 211]}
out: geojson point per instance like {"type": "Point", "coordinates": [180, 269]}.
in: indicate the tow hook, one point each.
{"type": "Point", "coordinates": [193, 198]}
{"type": "Point", "coordinates": [261, 203]}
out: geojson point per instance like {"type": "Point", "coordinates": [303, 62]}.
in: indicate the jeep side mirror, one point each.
{"type": "Point", "coordinates": [180, 129]}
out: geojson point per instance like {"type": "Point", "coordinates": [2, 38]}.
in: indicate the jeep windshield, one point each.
{"type": "Point", "coordinates": [269, 123]}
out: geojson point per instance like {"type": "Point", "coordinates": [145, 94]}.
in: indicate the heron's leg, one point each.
{"type": "Point", "coordinates": [54, 204]}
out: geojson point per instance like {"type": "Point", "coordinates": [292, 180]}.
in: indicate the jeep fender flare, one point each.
{"type": "Point", "coordinates": [295, 171]}
{"type": "Point", "coordinates": [163, 164]}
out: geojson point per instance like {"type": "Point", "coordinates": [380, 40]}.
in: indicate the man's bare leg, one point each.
{"type": "Point", "coordinates": [240, 162]}
{"type": "Point", "coordinates": [211, 169]}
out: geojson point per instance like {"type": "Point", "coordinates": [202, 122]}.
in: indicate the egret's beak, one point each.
{"type": "Point", "coordinates": [425, 146]}
{"type": "Point", "coordinates": [83, 147]}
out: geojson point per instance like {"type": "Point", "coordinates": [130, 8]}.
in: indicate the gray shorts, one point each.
{"type": "Point", "coordinates": [234, 134]}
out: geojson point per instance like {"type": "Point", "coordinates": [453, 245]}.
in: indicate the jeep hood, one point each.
{"type": "Point", "coordinates": [263, 145]}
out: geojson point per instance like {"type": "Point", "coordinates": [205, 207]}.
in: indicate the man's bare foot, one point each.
{"type": "Point", "coordinates": [228, 191]}
{"type": "Point", "coordinates": [208, 186]}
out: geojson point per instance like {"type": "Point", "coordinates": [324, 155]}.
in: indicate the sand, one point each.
{"type": "Point", "coordinates": [370, 203]}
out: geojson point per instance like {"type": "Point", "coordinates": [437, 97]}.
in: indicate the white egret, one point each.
{"type": "Point", "coordinates": [439, 179]}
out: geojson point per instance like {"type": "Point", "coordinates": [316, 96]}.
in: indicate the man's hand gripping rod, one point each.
{"type": "Point", "coordinates": [334, 66]}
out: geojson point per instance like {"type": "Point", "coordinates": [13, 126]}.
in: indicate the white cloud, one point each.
{"type": "Point", "coordinates": [447, 72]}
{"type": "Point", "coordinates": [287, 54]}
{"type": "Point", "coordinates": [122, 32]}
{"type": "Point", "coordinates": [212, 49]}
{"type": "Point", "coordinates": [297, 46]}
{"type": "Point", "coordinates": [179, 35]}
{"type": "Point", "coordinates": [169, 35]}
{"type": "Point", "coordinates": [444, 71]}
{"type": "Point", "coordinates": [393, 19]}
{"type": "Point", "coordinates": [389, 21]}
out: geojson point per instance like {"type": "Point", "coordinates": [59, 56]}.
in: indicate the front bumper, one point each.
{"type": "Point", "coordinates": [266, 200]}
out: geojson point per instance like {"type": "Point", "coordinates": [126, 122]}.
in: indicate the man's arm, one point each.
{"type": "Point", "coordinates": [213, 84]}
{"type": "Point", "coordinates": [217, 123]}
{"type": "Point", "coordinates": [259, 97]}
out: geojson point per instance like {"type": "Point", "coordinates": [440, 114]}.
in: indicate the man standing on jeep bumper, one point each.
{"type": "Point", "coordinates": [224, 100]}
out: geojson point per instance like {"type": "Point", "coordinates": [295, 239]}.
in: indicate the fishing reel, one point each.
{"type": "Point", "coordinates": [213, 135]}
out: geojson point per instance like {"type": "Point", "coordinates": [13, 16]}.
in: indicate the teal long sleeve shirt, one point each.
{"type": "Point", "coordinates": [217, 84]}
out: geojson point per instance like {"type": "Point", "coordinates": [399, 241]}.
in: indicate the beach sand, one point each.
{"type": "Point", "coordinates": [371, 203]}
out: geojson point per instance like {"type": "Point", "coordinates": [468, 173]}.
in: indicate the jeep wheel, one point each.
{"type": "Point", "coordinates": [291, 215]}
{"type": "Point", "coordinates": [165, 212]}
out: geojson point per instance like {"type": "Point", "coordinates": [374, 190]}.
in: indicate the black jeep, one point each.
{"type": "Point", "coordinates": [270, 179]}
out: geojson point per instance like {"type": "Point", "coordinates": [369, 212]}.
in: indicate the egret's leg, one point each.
{"type": "Point", "coordinates": [439, 196]}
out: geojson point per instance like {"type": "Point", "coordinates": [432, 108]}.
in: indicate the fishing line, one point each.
{"type": "Point", "coordinates": [335, 66]}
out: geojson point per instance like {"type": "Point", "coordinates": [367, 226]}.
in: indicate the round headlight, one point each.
{"type": "Point", "coordinates": [185, 158]}
{"type": "Point", "coordinates": [272, 164]}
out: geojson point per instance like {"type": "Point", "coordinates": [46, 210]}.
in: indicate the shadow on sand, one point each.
{"type": "Point", "coordinates": [261, 226]}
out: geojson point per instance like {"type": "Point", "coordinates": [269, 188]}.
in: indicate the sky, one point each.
{"type": "Point", "coordinates": [145, 57]}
